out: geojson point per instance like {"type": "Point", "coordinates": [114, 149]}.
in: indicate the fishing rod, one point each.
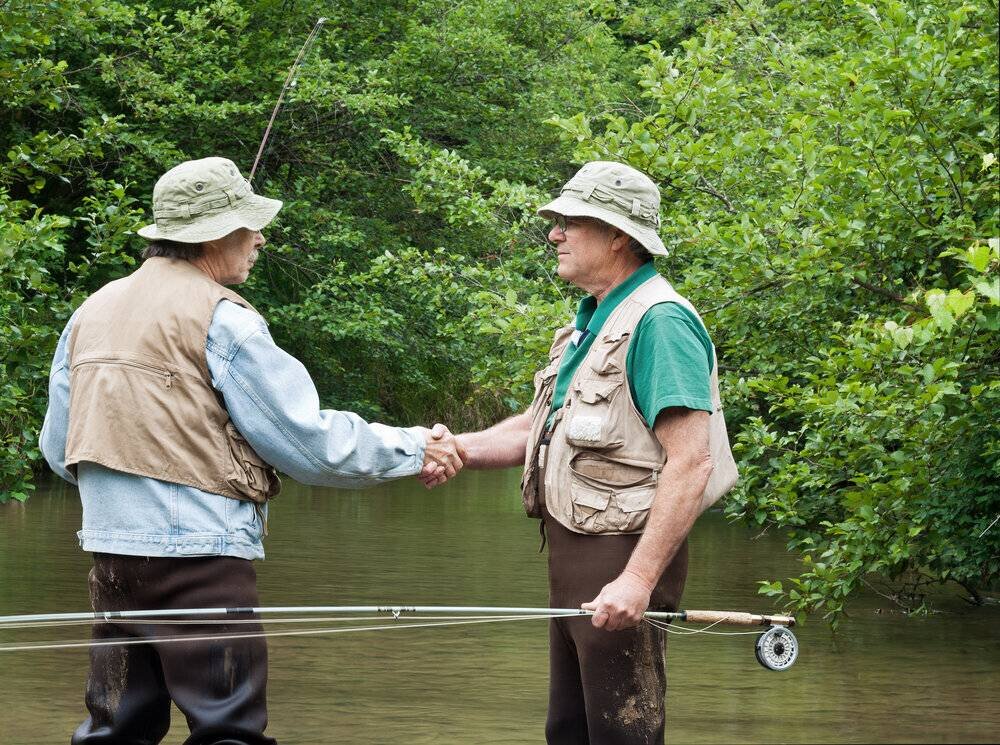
{"type": "Point", "coordinates": [776, 648]}
{"type": "Point", "coordinates": [290, 80]}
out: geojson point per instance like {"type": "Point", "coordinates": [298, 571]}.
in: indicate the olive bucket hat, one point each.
{"type": "Point", "coordinates": [202, 200]}
{"type": "Point", "coordinates": [616, 194]}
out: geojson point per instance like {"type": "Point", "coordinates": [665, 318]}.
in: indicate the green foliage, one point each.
{"type": "Point", "coordinates": [404, 304]}
{"type": "Point", "coordinates": [831, 183]}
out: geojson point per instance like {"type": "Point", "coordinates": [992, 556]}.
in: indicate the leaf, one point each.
{"type": "Point", "coordinates": [958, 303]}
{"type": "Point", "coordinates": [989, 289]}
{"type": "Point", "coordinates": [936, 302]}
{"type": "Point", "coordinates": [978, 256]}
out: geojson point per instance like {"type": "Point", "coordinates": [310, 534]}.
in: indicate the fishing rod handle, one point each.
{"type": "Point", "coordinates": [735, 618]}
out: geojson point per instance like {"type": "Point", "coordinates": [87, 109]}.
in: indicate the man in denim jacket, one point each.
{"type": "Point", "coordinates": [171, 407]}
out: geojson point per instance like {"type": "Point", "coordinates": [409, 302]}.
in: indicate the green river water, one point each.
{"type": "Point", "coordinates": [881, 678]}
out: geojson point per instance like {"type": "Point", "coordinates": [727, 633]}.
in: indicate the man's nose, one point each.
{"type": "Point", "coordinates": [259, 240]}
{"type": "Point", "coordinates": [556, 235]}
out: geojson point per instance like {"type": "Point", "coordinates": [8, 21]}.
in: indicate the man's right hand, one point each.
{"type": "Point", "coordinates": [443, 456]}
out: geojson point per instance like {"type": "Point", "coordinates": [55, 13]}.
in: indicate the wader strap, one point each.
{"type": "Point", "coordinates": [543, 456]}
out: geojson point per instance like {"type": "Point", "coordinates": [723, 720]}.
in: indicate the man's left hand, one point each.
{"type": "Point", "coordinates": [620, 604]}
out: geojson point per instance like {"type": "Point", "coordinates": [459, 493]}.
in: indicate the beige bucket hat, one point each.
{"type": "Point", "coordinates": [616, 194]}
{"type": "Point", "coordinates": [201, 200]}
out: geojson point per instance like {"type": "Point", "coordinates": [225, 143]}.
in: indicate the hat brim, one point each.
{"type": "Point", "coordinates": [253, 212]}
{"type": "Point", "coordinates": [572, 207]}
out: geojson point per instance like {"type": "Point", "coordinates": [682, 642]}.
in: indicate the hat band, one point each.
{"type": "Point", "coordinates": [635, 209]}
{"type": "Point", "coordinates": [217, 201]}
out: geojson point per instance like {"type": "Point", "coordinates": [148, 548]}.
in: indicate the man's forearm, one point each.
{"type": "Point", "coordinates": [676, 506]}
{"type": "Point", "coordinates": [501, 446]}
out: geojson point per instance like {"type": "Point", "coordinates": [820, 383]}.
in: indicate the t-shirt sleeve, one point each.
{"type": "Point", "coordinates": [670, 362]}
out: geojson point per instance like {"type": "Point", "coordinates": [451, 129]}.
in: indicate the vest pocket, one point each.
{"type": "Point", "coordinates": [608, 358]}
{"type": "Point", "coordinates": [594, 417]}
{"type": "Point", "coordinates": [248, 474]}
{"type": "Point", "coordinates": [610, 496]}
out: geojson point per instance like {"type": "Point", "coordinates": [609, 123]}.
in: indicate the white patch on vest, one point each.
{"type": "Point", "coordinates": [585, 428]}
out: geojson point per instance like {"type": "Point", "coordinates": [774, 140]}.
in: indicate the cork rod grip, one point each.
{"type": "Point", "coordinates": [733, 618]}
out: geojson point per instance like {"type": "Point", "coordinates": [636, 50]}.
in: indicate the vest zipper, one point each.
{"type": "Point", "coordinates": [167, 375]}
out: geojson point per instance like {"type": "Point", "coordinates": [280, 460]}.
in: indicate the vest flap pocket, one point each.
{"type": "Point", "coordinates": [546, 374]}
{"type": "Point", "coordinates": [598, 469]}
{"type": "Point", "coordinates": [584, 495]}
{"type": "Point", "coordinates": [593, 418]}
{"type": "Point", "coordinates": [592, 391]}
{"type": "Point", "coordinates": [636, 499]}
{"type": "Point", "coordinates": [250, 475]}
{"type": "Point", "coordinates": [609, 354]}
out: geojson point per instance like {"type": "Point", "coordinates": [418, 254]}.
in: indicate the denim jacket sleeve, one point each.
{"type": "Point", "coordinates": [274, 404]}
{"type": "Point", "coordinates": [52, 440]}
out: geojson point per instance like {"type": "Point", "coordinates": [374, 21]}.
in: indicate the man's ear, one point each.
{"type": "Point", "coordinates": [619, 240]}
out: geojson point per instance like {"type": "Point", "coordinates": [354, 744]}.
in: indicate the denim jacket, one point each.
{"type": "Point", "coordinates": [274, 404]}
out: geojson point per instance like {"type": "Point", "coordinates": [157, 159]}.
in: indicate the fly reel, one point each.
{"type": "Point", "coordinates": [777, 648]}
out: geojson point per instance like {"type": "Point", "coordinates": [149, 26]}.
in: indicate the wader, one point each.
{"type": "Point", "coordinates": [605, 687]}
{"type": "Point", "coordinates": [220, 686]}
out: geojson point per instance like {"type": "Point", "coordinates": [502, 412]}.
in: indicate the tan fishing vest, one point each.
{"type": "Point", "coordinates": [141, 395]}
{"type": "Point", "coordinates": [600, 462]}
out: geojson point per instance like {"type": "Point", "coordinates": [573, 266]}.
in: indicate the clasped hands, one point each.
{"type": "Point", "coordinates": [620, 604]}
{"type": "Point", "coordinates": [444, 456]}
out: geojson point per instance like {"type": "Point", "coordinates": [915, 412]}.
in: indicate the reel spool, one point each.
{"type": "Point", "coordinates": [777, 648]}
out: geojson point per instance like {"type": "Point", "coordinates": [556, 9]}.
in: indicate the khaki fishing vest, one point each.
{"type": "Point", "coordinates": [600, 462]}
{"type": "Point", "coordinates": [141, 395]}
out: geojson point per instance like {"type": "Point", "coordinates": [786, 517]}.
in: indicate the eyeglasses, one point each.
{"type": "Point", "coordinates": [563, 223]}
{"type": "Point", "coordinates": [560, 225]}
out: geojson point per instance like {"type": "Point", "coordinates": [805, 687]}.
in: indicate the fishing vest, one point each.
{"type": "Point", "coordinates": [599, 463]}
{"type": "Point", "coordinates": [141, 395]}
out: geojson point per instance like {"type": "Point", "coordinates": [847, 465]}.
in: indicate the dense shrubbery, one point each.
{"type": "Point", "coordinates": [830, 182]}
{"type": "Point", "coordinates": [400, 313]}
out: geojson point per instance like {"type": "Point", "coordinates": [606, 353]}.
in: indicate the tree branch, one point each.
{"type": "Point", "coordinates": [883, 292]}
{"type": "Point", "coordinates": [707, 188]}
{"type": "Point", "coordinates": [748, 293]}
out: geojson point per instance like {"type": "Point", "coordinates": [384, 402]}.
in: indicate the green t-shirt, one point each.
{"type": "Point", "coordinates": [669, 359]}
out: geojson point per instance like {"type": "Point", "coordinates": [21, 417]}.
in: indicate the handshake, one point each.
{"type": "Point", "coordinates": [444, 456]}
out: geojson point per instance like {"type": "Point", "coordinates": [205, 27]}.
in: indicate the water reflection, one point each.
{"type": "Point", "coordinates": [883, 678]}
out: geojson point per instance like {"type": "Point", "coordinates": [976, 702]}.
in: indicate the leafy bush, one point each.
{"type": "Point", "coordinates": [831, 182]}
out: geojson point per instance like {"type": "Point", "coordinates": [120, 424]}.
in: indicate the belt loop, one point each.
{"type": "Point", "coordinates": [636, 208]}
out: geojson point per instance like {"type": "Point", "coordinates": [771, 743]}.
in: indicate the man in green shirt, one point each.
{"type": "Point", "coordinates": [617, 457]}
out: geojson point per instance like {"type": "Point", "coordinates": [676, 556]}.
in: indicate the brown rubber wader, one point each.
{"type": "Point", "coordinates": [605, 687]}
{"type": "Point", "coordinates": [220, 686]}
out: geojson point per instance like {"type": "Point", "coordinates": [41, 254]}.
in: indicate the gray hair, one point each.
{"type": "Point", "coordinates": [639, 251]}
{"type": "Point", "coordinates": [172, 250]}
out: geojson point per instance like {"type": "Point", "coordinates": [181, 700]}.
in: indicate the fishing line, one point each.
{"type": "Point", "coordinates": [222, 621]}
{"type": "Point", "coordinates": [130, 641]}
{"type": "Point", "coordinates": [672, 628]}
